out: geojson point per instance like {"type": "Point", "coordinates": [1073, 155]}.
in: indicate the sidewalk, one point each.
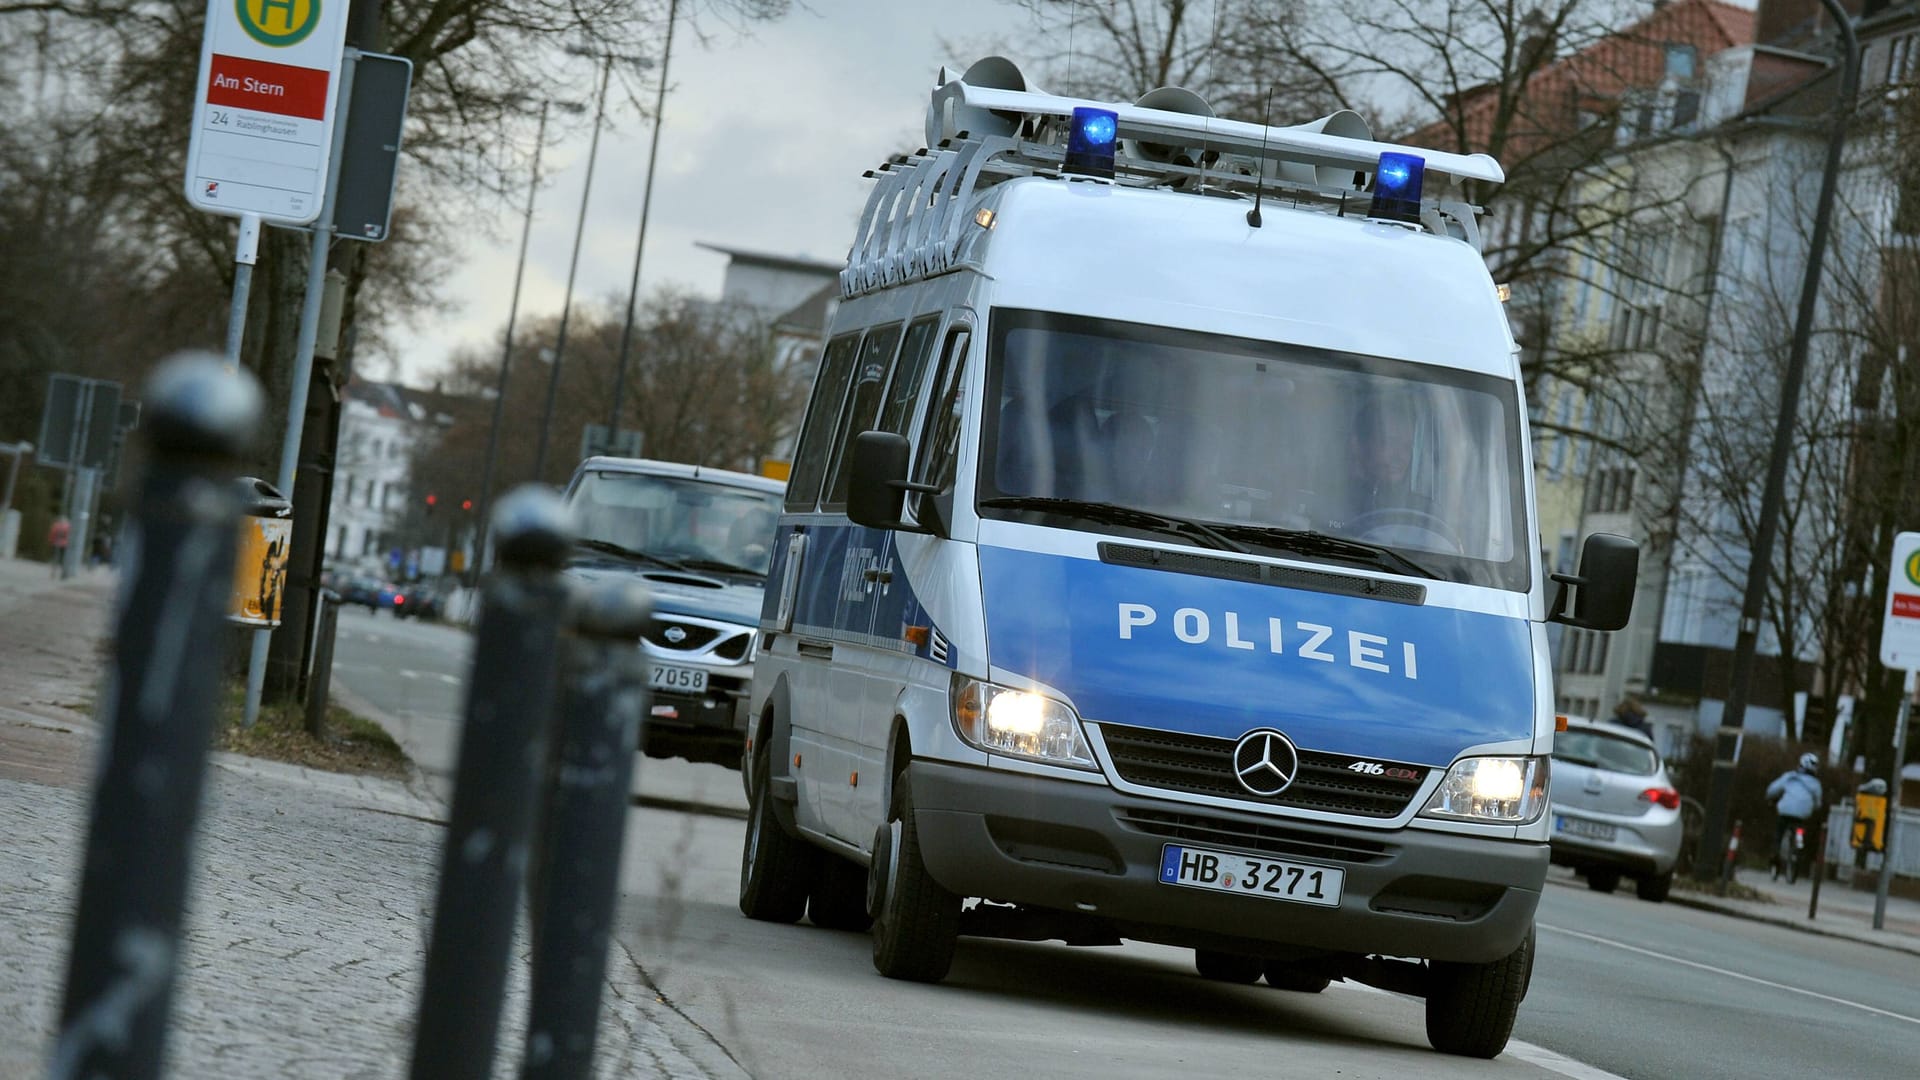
{"type": "Point", "coordinates": [1844, 912]}
{"type": "Point", "coordinates": [306, 929]}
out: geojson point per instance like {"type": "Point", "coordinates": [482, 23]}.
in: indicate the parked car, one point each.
{"type": "Point", "coordinates": [701, 540]}
{"type": "Point", "coordinates": [1615, 810]}
{"type": "Point", "coordinates": [421, 600]}
{"type": "Point", "coordinates": [364, 591]}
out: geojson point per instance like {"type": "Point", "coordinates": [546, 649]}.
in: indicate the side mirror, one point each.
{"type": "Point", "coordinates": [878, 486]}
{"type": "Point", "coordinates": [1609, 570]}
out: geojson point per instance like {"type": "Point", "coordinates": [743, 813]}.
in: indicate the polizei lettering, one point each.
{"type": "Point", "coordinates": [1276, 636]}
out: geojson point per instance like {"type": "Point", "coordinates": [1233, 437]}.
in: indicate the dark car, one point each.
{"type": "Point", "coordinates": [364, 591]}
{"type": "Point", "coordinates": [420, 601]}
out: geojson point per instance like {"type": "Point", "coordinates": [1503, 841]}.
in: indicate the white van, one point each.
{"type": "Point", "coordinates": [1157, 564]}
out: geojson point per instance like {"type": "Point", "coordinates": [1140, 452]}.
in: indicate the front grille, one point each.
{"type": "Point", "coordinates": [1200, 765]}
{"type": "Point", "coordinates": [696, 636]}
{"type": "Point", "coordinates": [734, 648]}
{"type": "Point", "coordinates": [1267, 839]}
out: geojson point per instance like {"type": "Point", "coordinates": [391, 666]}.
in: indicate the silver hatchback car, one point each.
{"type": "Point", "coordinates": [1615, 810]}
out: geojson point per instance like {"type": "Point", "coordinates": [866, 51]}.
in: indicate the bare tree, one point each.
{"type": "Point", "coordinates": [702, 388]}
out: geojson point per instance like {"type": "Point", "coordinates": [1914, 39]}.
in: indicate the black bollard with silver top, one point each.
{"type": "Point", "coordinates": [511, 696]}
{"type": "Point", "coordinates": [604, 695]}
{"type": "Point", "coordinates": [158, 720]}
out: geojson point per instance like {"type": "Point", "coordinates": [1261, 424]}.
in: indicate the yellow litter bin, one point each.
{"type": "Point", "coordinates": [260, 564]}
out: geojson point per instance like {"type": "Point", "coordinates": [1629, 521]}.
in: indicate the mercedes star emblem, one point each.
{"type": "Point", "coordinates": [675, 634]}
{"type": "Point", "coordinates": [1265, 762]}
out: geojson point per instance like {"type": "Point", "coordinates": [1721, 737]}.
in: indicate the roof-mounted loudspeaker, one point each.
{"type": "Point", "coordinates": [1174, 99]}
{"type": "Point", "coordinates": [1348, 125]}
{"type": "Point", "coordinates": [947, 117]}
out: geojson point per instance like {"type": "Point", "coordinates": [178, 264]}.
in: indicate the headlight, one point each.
{"type": "Point", "coordinates": [1510, 790]}
{"type": "Point", "coordinates": [1018, 723]}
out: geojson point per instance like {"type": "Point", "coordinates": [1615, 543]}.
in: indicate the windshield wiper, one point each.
{"type": "Point", "coordinates": [1115, 514]}
{"type": "Point", "coordinates": [608, 547]}
{"type": "Point", "coordinates": [1308, 542]}
{"type": "Point", "coordinates": [721, 566]}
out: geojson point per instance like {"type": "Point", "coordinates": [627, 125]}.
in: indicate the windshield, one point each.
{"type": "Point", "coordinates": [694, 523]}
{"type": "Point", "coordinates": [1599, 750]}
{"type": "Point", "coordinates": [1265, 438]}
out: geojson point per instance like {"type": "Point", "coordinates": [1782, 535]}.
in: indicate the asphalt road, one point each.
{"type": "Point", "coordinates": [1621, 987]}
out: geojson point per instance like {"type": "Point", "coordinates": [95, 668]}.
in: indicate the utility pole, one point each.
{"type": "Point", "coordinates": [566, 305]}
{"type": "Point", "coordinates": [1740, 678]}
{"type": "Point", "coordinates": [646, 206]}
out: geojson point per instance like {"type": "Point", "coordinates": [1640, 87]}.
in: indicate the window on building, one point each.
{"type": "Point", "coordinates": [349, 499]}
{"type": "Point", "coordinates": [1681, 61]}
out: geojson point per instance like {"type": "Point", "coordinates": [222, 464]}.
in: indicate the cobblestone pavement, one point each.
{"type": "Point", "coordinates": [307, 922]}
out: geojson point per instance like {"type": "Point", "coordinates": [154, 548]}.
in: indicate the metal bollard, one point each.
{"type": "Point", "coordinates": [320, 679]}
{"type": "Point", "coordinates": [1733, 856]}
{"type": "Point", "coordinates": [511, 693]}
{"type": "Point", "coordinates": [160, 705]}
{"type": "Point", "coordinates": [1819, 872]}
{"type": "Point", "coordinates": [578, 872]}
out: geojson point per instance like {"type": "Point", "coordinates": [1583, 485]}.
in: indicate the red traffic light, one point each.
{"type": "Point", "coordinates": [432, 498]}
{"type": "Point", "coordinates": [466, 504]}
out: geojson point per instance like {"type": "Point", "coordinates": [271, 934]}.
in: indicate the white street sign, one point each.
{"type": "Point", "coordinates": [1900, 633]}
{"type": "Point", "coordinates": [264, 110]}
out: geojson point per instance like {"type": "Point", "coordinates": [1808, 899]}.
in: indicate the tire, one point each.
{"type": "Point", "coordinates": [1294, 977]}
{"type": "Point", "coordinates": [1603, 881]}
{"type": "Point", "coordinates": [1227, 967]}
{"type": "Point", "coordinates": [1471, 1007]}
{"type": "Point", "coordinates": [916, 922]}
{"type": "Point", "coordinates": [1654, 888]}
{"type": "Point", "coordinates": [838, 898]}
{"type": "Point", "coordinates": [776, 870]}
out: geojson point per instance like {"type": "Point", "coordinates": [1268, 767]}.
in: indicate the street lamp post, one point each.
{"type": "Point", "coordinates": [646, 205]}
{"type": "Point", "coordinates": [506, 348]}
{"type": "Point", "coordinates": [573, 267]}
{"type": "Point", "coordinates": [1733, 717]}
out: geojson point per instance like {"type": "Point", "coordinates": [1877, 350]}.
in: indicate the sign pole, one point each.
{"type": "Point", "coordinates": [1892, 846]}
{"type": "Point", "coordinates": [303, 357]}
{"type": "Point", "coordinates": [246, 251]}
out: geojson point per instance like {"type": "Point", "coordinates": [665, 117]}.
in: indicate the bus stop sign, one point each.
{"type": "Point", "coordinates": [1900, 632]}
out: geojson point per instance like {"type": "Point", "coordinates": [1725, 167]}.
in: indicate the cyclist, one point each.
{"type": "Point", "coordinates": [1795, 795]}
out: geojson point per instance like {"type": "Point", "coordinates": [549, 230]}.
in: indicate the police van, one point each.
{"type": "Point", "coordinates": [1156, 563]}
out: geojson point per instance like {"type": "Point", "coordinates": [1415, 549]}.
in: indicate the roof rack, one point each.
{"type": "Point", "coordinates": [914, 224]}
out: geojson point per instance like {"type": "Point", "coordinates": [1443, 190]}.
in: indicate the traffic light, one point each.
{"type": "Point", "coordinates": [467, 505]}
{"type": "Point", "coordinates": [432, 498]}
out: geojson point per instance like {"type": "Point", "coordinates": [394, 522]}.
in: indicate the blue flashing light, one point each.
{"type": "Point", "coordinates": [1396, 187]}
{"type": "Point", "coordinates": [1091, 141]}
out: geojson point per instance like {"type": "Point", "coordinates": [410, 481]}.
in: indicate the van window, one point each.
{"type": "Point", "coordinates": [904, 388]}
{"type": "Point", "coordinates": [1264, 441]}
{"type": "Point", "coordinates": [863, 404]}
{"type": "Point", "coordinates": [823, 408]}
{"type": "Point", "coordinates": [940, 449]}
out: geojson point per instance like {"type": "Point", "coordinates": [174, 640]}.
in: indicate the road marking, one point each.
{"type": "Point", "coordinates": [450, 680]}
{"type": "Point", "coordinates": [1531, 1053]}
{"type": "Point", "coordinates": [1598, 940]}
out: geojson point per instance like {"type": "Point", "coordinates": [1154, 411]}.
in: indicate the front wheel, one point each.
{"type": "Point", "coordinates": [916, 922]}
{"type": "Point", "coordinates": [776, 870]}
{"type": "Point", "coordinates": [1471, 1007]}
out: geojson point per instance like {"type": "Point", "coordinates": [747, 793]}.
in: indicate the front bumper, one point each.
{"type": "Point", "coordinates": [1088, 849]}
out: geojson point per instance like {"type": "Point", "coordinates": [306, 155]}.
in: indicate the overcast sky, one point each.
{"type": "Point", "coordinates": [765, 140]}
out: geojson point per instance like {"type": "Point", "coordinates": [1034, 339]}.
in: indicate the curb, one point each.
{"type": "Point", "coordinates": [1707, 904]}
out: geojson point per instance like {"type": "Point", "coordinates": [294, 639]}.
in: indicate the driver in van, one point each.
{"type": "Point", "coordinates": [1380, 464]}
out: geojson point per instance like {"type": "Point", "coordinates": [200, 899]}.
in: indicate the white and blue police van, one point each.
{"type": "Point", "coordinates": [1157, 563]}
